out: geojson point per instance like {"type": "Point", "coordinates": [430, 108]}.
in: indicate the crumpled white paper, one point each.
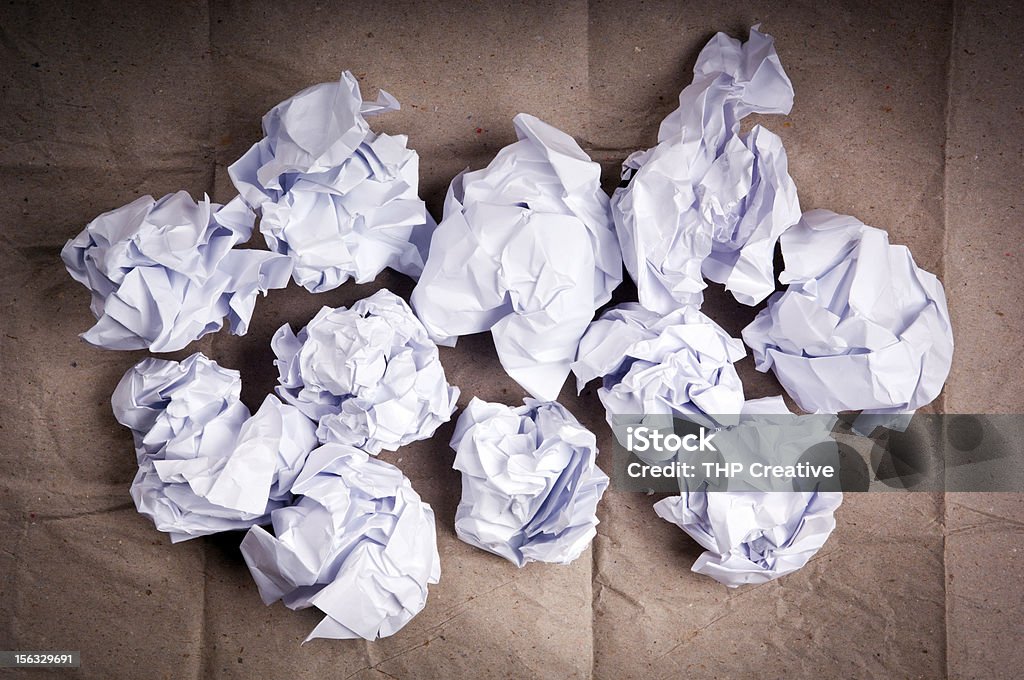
{"type": "Point", "coordinates": [205, 465]}
{"type": "Point", "coordinates": [530, 481]}
{"type": "Point", "coordinates": [707, 200]}
{"type": "Point", "coordinates": [860, 326]}
{"type": "Point", "coordinates": [338, 199]}
{"type": "Point", "coordinates": [757, 536]}
{"type": "Point", "coordinates": [751, 536]}
{"type": "Point", "coordinates": [526, 250]}
{"type": "Point", "coordinates": [656, 367]}
{"type": "Point", "coordinates": [359, 545]}
{"type": "Point", "coordinates": [370, 376]}
{"type": "Point", "coordinates": [164, 273]}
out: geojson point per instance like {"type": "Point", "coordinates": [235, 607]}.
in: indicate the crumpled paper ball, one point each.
{"type": "Point", "coordinates": [338, 199]}
{"type": "Point", "coordinates": [359, 545]}
{"type": "Point", "coordinates": [368, 375]}
{"type": "Point", "coordinates": [707, 201]}
{"type": "Point", "coordinates": [752, 536]}
{"type": "Point", "coordinates": [530, 481]}
{"type": "Point", "coordinates": [527, 251]}
{"type": "Point", "coordinates": [658, 367]}
{"type": "Point", "coordinates": [205, 465]}
{"type": "Point", "coordinates": [164, 273]}
{"type": "Point", "coordinates": [860, 325]}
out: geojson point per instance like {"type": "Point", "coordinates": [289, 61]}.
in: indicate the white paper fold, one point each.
{"type": "Point", "coordinates": [338, 199]}
{"type": "Point", "coordinates": [530, 481]}
{"type": "Point", "coordinates": [656, 367]}
{"type": "Point", "coordinates": [368, 375]}
{"type": "Point", "coordinates": [860, 325]}
{"type": "Point", "coordinates": [164, 273]}
{"type": "Point", "coordinates": [205, 465]}
{"type": "Point", "coordinates": [757, 536]}
{"type": "Point", "coordinates": [359, 545]}
{"type": "Point", "coordinates": [707, 201]}
{"type": "Point", "coordinates": [526, 250]}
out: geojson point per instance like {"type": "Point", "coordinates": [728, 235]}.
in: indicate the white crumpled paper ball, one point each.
{"type": "Point", "coordinates": [530, 481]}
{"type": "Point", "coordinates": [527, 251]}
{"type": "Point", "coordinates": [164, 273]}
{"type": "Point", "coordinates": [359, 545]}
{"type": "Point", "coordinates": [205, 465]}
{"type": "Point", "coordinates": [708, 201]}
{"type": "Point", "coordinates": [656, 367]}
{"type": "Point", "coordinates": [860, 325]}
{"type": "Point", "coordinates": [338, 199]}
{"type": "Point", "coordinates": [369, 375]}
{"type": "Point", "coordinates": [755, 536]}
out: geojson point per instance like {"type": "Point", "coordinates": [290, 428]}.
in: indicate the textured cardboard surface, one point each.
{"type": "Point", "coordinates": [905, 116]}
{"type": "Point", "coordinates": [984, 280]}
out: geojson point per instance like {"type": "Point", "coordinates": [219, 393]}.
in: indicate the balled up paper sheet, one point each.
{"type": "Point", "coordinates": [656, 367]}
{"type": "Point", "coordinates": [165, 272]}
{"type": "Point", "coordinates": [338, 199]}
{"type": "Point", "coordinates": [860, 325]}
{"type": "Point", "coordinates": [758, 536]}
{"type": "Point", "coordinates": [359, 545]}
{"type": "Point", "coordinates": [370, 376]}
{"type": "Point", "coordinates": [530, 481]}
{"type": "Point", "coordinates": [707, 201]}
{"type": "Point", "coordinates": [526, 250]}
{"type": "Point", "coordinates": [205, 465]}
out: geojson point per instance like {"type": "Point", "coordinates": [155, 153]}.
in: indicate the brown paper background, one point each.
{"type": "Point", "coordinates": [907, 115]}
